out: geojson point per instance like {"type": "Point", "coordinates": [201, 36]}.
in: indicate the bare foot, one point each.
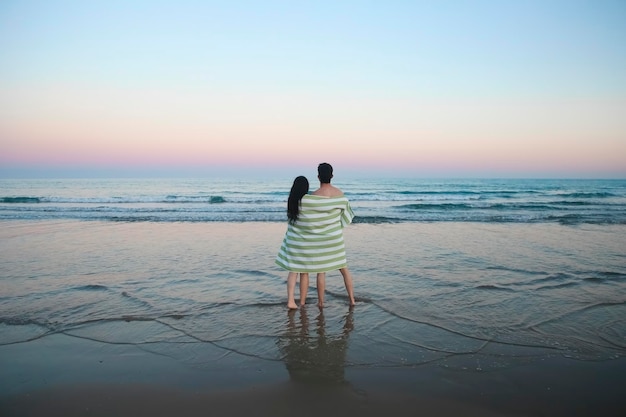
{"type": "Point", "coordinates": [292, 306]}
{"type": "Point", "coordinates": [320, 305]}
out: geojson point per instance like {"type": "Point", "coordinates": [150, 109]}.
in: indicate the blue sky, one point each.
{"type": "Point", "coordinates": [513, 88]}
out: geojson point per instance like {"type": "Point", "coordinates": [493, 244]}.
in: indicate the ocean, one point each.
{"type": "Point", "coordinates": [259, 200]}
{"type": "Point", "coordinates": [469, 274]}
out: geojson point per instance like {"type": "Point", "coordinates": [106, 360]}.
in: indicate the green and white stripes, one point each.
{"type": "Point", "coordinates": [315, 242]}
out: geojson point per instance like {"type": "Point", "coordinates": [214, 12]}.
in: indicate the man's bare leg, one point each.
{"type": "Point", "coordinates": [347, 280]}
{"type": "Point", "coordinates": [304, 287]}
{"type": "Point", "coordinates": [291, 288]}
{"type": "Point", "coordinates": [321, 287]}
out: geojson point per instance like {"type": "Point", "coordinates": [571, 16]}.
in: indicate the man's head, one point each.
{"type": "Point", "coordinates": [324, 172]}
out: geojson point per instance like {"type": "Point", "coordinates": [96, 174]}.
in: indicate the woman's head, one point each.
{"type": "Point", "coordinates": [299, 188]}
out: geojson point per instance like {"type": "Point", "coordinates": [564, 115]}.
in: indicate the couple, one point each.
{"type": "Point", "coordinates": [314, 238]}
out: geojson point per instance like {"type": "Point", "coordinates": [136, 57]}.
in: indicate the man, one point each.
{"type": "Point", "coordinates": [325, 174]}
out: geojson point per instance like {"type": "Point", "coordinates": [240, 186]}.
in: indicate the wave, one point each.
{"type": "Point", "coordinates": [440, 192]}
{"type": "Point", "coordinates": [277, 216]}
{"type": "Point", "coordinates": [606, 278]}
{"type": "Point", "coordinates": [589, 195]}
{"type": "Point", "coordinates": [375, 220]}
{"type": "Point", "coordinates": [20, 200]}
{"type": "Point", "coordinates": [217, 199]}
{"type": "Point", "coordinates": [495, 206]}
{"type": "Point", "coordinates": [169, 199]}
{"type": "Point", "coordinates": [430, 206]}
{"type": "Point", "coordinates": [596, 218]}
{"type": "Point", "coordinates": [91, 287]}
{"type": "Point", "coordinates": [491, 287]}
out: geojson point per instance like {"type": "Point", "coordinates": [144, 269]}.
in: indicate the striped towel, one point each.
{"type": "Point", "coordinates": [314, 243]}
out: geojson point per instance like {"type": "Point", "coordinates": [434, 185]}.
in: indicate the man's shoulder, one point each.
{"type": "Point", "coordinates": [331, 193]}
{"type": "Point", "coordinates": [337, 192]}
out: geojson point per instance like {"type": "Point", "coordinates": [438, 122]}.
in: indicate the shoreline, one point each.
{"type": "Point", "coordinates": [61, 375]}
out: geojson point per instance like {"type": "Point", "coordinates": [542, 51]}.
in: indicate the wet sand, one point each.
{"type": "Point", "coordinates": [60, 375]}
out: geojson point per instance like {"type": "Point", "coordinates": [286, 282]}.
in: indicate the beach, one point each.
{"type": "Point", "coordinates": [143, 318]}
{"type": "Point", "coordinates": [154, 210]}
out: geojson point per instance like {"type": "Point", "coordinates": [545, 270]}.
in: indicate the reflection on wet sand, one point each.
{"type": "Point", "coordinates": [315, 356]}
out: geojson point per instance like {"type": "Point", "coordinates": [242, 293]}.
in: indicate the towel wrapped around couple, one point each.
{"type": "Point", "coordinates": [314, 243]}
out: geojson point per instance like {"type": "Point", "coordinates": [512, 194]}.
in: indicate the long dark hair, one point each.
{"type": "Point", "coordinates": [299, 188]}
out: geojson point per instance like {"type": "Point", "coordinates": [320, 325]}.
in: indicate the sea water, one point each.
{"type": "Point", "coordinates": [376, 201]}
{"type": "Point", "coordinates": [473, 274]}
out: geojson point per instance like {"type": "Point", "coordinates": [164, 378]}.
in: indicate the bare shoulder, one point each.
{"type": "Point", "coordinates": [336, 192]}
{"type": "Point", "coordinates": [328, 191]}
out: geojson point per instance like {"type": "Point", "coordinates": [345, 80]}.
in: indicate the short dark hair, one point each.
{"type": "Point", "coordinates": [325, 172]}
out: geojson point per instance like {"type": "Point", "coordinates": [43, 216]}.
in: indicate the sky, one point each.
{"type": "Point", "coordinates": [425, 88]}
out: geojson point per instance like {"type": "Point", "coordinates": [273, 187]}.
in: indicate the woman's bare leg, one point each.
{"type": "Point", "coordinates": [291, 288]}
{"type": "Point", "coordinates": [304, 287]}
{"type": "Point", "coordinates": [321, 287]}
{"type": "Point", "coordinates": [347, 280]}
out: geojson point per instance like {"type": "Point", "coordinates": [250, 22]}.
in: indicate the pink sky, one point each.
{"type": "Point", "coordinates": [112, 128]}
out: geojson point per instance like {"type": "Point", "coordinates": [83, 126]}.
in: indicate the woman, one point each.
{"type": "Point", "coordinates": [299, 189]}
